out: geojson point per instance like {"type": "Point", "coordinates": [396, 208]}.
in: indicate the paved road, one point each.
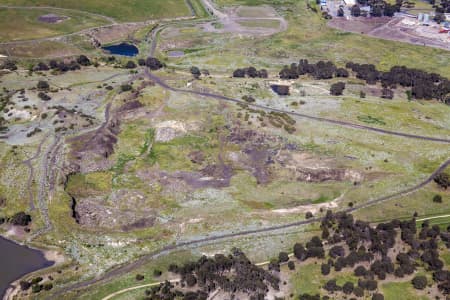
{"type": "Point", "coordinates": [162, 83]}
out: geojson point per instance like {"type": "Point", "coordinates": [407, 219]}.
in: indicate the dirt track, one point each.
{"type": "Point", "coordinates": [126, 268]}
{"type": "Point", "coordinates": [162, 83]}
{"type": "Point", "coordinates": [386, 28]}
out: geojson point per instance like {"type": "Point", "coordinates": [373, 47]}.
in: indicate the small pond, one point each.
{"type": "Point", "coordinates": [123, 49]}
{"type": "Point", "coordinates": [16, 261]}
{"type": "Point", "coordinates": [175, 53]}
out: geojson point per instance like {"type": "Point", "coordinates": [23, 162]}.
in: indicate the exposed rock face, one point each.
{"type": "Point", "coordinates": [94, 213]}
{"type": "Point", "coordinates": [320, 175]}
{"type": "Point", "coordinates": [52, 18]}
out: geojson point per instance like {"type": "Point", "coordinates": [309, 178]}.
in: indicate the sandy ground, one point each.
{"type": "Point", "coordinates": [231, 18]}
{"type": "Point", "coordinates": [403, 29]}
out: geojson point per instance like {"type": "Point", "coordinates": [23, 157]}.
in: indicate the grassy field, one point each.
{"type": "Point", "coordinates": [309, 37]}
{"type": "Point", "coordinates": [39, 50]}
{"type": "Point", "coordinates": [260, 23]}
{"type": "Point", "coordinates": [121, 10]}
{"type": "Point", "coordinates": [392, 290]}
{"type": "Point", "coordinates": [23, 24]}
{"type": "Point", "coordinates": [199, 9]}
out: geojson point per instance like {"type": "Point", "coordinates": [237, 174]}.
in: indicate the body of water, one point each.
{"type": "Point", "coordinates": [175, 53]}
{"type": "Point", "coordinates": [16, 261]}
{"type": "Point", "coordinates": [123, 49]}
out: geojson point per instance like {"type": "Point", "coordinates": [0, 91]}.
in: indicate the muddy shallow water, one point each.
{"type": "Point", "coordinates": [16, 261]}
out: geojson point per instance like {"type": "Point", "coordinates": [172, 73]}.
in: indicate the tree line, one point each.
{"type": "Point", "coordinates": [421, 84]}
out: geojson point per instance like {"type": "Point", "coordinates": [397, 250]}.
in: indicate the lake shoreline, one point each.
{"type": "Point", "coordinates": [40, 259]}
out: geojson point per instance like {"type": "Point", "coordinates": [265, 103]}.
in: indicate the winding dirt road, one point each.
{"type": "Point", "coordinates": [163, 84]}
{"type": "Point", "coordinates": [137, 287]}
{"type": "Point", "coordinates": [126, 268]}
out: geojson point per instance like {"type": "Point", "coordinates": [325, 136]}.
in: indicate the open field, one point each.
{"type": "Point", "coordinates": [307, 36]}
{"type": "Point", "coordinates": [23, 24]}
{"type": "Point", "coordinates": [120, 10]}
{"type": "Point", "coordinates": [125, 167]}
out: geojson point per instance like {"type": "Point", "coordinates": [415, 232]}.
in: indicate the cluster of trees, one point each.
{"type": "Point", "coordinates": [443, 180]}
{"type": "Point", "coordinates": [233, 273]}
{"type": "Point", "coordinates": [36, 285]}
{"type": "Point", "coordinates": [319, 70]}
{"type": "Point", "coordinates": [152, 63]}
{"type": "Point", "coordinates": [440, 10]}
{"type": "Point", "coordinates": [20, 219]}
{"type": "Point", "coordinates": [373, 244]}
{"type": "Point", "coordinates": [196, 72]}
{"type": "Point", "coordinates": [9, 65]}
{"type": "Point", "coordinates": [250, 72]}
{"type": "Point", "coordinates": [337, 88]}
{"type": "Point", "coordinates": [166, 290]}
{"type": "Point", "coordinates": [377, 9]}
{"type": "Point", "coordinates": [351, 244]}
{"type": "Point", "coordinates": [423, 85]}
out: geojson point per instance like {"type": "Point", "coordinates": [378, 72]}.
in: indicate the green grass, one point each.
{"type": "Point", "coordinates": [172, 155]}
{"type": "Point", "coordinates": [199, 9]}
{"type": "Point", "coordinates": [260, 23]}
{"type": "Point", "coordinates": [39, 50]}
{"type": "Point", "coordinates": [393, 290]}
{"type": "Point", "coordinates": [371, 120]}
{"type": "Point", "coordinates": [23, 24]}
{"type": "Point", "coordinates": [308, 279]}
{"type": "Point", "coordinates": [309, 37]}
{"type": "Point", "coordinates": [95, 183]}
{"type": "Point", "coordinates": [121, 10]}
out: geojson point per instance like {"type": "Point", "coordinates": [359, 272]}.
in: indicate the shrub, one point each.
{"type": "Point", "coordinates": [24, 285]}
{"type": "Point", "coordinates": [283, 257]}
{"type": "Point", "coordinates": [377, 296]}
{"type": "Point", "coordinates": [139, 277]}
{"type": "Point", "coordinates": [153, 63]}
{"type": "Point", "coordinates": [358, 292]}
{"type": "Point", "coordinates": [43, 85]}
{"type": "Point", "coordinates": [347, 288]}
{"type": "Point", "coordinates": [195, 72]}
{"type": "Point", "coordinates": [44, 97]}
{"type": "Point", "coordinates": [36, 288]}
{"type": "Point", "coordinates": [157, 273]}
{"type": "Point", "coordinates": [191, 280]}
{"type": "Point", "coordinates": [21, 219]}
{"type": "Point", "coordinates": [437, 199]}
{"type": "Point", "coordinates": [9, 65]}
{"type": "Point", "coordinates": [126, 87]}
{"type": "Point", "coordinates": [141, 62]}
{"type": "Point", "coordinates": [419, 282]}
{"type": "Point", "coordinates": [299, 251]}
{"type": "Point", "coordinates": [362, 94]}
{"type": "Point", "coordinates": [291, 265]}
{"type": "Point", "coordinates": [325, 269]}
{"type": "Point", "coordinates": [83, 60]}
{"type": "Point", "coordinates": [337, 88]}
{"type": "Point", "coordinates": [130, 65]}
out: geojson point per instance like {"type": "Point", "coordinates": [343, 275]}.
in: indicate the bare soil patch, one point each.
{"type": "Point", "coordinates": [247, 20]}
{"type": "Point", "coordinates": [400, 29]}
{"type": "Point", "coordinates": [52, 18]}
